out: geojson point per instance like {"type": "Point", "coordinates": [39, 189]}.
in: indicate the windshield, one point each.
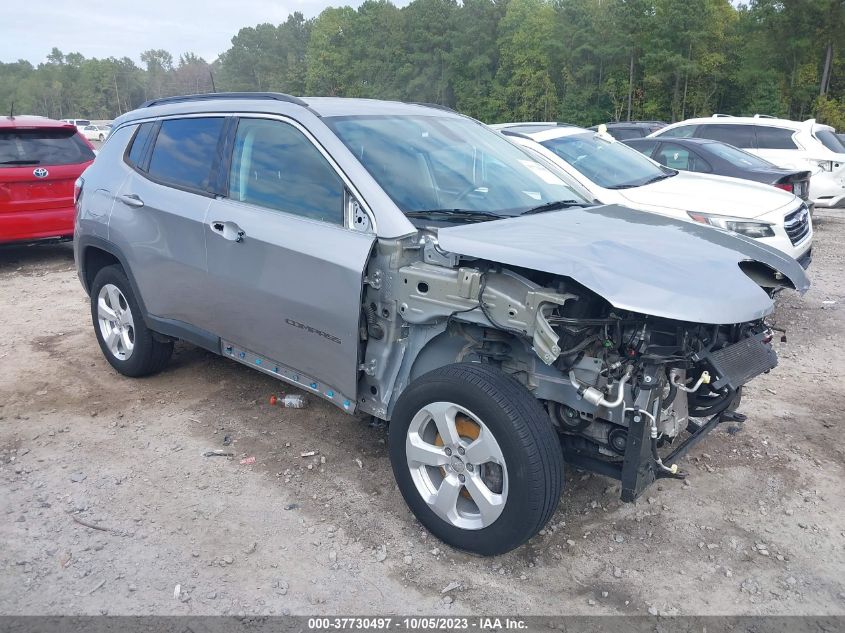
{"type": "Point", "coordinates": [609, 164]}
{"type": "Point", "coordinates": [830, 141]}
{"type": "Point", "coordinates": [737, 157]}
{"type": "Point", "coordinates": [432, 163]}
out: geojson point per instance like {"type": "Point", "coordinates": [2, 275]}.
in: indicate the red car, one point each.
{"type": "Point", "coordinates": [40, 160]}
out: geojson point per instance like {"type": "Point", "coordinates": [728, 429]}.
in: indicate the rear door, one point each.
{"type": "Point", "coordinates": [285, 263]}
{"type": "Point", "coordinates": [158, 218]}
{"type": "Point", "coordinates": [38, 167]}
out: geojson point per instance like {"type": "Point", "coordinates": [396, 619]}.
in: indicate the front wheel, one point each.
{"type": "Point", "coordinates": [476, 458]}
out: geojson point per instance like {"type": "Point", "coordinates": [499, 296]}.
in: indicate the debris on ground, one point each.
{"type": "Point", "coordinates": [308, 453]}
{"type": "Point", "coordinates": [248, 461]}
{"type": "Point", "coordinates": [292, 401]}
{"type": "Point", "coordinates": [218, 453]}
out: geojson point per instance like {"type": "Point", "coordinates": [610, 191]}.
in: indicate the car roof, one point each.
{"type": "Point", "coordinates": [674, 139]}
{"type": "Point", "coordinates": [633, 124]}
{"type": "Point", "coordinates": [28, 121]}
{"type": "Point", "coordinates": [757, 119]}
{"type": "Point", "coordinates": [542, 133]}
{"type": "Point", "coordinates": [279, 102]}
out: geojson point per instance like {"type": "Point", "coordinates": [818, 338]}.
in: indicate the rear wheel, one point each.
{"type": "Point", "coordinates": [476, 458]}
{"type": "Point", "coordinates": [123, 337]}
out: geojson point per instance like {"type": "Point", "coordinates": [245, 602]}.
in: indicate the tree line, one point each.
{"type": "Point", "coordinates": [580, 61]}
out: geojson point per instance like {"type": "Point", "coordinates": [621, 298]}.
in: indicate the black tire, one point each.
{"type": "Point", "coordinates": [149, 356]}
{"type": "Point", "coordinates": [524, 432]}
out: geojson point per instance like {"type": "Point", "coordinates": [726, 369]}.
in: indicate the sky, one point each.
{"type": "Point", "coordinates": [118, 28]}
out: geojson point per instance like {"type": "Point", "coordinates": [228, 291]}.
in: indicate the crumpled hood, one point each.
{"type": "Point", "coordinates": [710, 194]}
{"type": "Point", "coordinates": [636, 260]}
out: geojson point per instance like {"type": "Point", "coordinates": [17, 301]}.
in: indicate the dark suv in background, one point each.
{"type": "Point", "coordinates": [624, 130]}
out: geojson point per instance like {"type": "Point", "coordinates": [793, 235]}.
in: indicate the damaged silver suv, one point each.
{"type": "Point", "coordinates": [406, 262]}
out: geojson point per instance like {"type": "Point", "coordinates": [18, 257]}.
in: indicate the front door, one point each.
{"type": "Point", "coordinates": [286, 269]}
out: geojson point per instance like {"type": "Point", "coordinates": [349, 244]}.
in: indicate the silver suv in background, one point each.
{"type": "Point", "coordinates": [408, 263]}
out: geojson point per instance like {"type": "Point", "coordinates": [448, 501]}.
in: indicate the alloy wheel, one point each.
{"type": "Point", "coordinates": [457, 465]}
{"type": "Point", "coordinates": [117, 325]}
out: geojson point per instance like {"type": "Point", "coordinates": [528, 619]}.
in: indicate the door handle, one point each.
{"type": "Point", "coordinates": [131, 200]}
{"type": "Point", "coordinates": [228, 230]}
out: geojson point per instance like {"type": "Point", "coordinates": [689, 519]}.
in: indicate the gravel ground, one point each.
{"type": "Point", "coordinates": [108, 505]}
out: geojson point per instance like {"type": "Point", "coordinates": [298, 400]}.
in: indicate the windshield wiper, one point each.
{"type": "Point", "coordinates": [454, 214]}
{"type": "Point", "coordinates": [20, 162]}
{"type": "Point", "coordinates": [657, 179]}
{"type": "Point", "coordinates": [556, 204]}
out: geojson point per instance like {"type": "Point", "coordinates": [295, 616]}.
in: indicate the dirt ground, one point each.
{"type": "Point", "coordinates": [758, 529]}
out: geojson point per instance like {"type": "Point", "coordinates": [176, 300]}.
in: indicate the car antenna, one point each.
{"type": "Point", "coordinates": [12, 111]}
{"type": "Point", "coordinates": [211, 74]}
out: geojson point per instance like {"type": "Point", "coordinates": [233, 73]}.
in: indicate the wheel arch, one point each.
{"type": "Point", "coordinates": [95, 254]}
{"type": "Point", "coordinates": [431, 347]}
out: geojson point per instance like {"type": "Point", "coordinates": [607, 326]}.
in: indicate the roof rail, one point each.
{"type": "Point", "coordinates": [764, 116]}
{"type": "Point", "coordinates": [716, 115]}
{"type": "Point", "coordinates": [436, 106]}
{"type": "Point", "coordinates": [507, 132]}
{"type": "Point", "coordinates": [215, 96]}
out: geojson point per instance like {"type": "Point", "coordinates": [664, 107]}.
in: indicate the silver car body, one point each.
{"type": "Point", "coordinates": [287, 298]}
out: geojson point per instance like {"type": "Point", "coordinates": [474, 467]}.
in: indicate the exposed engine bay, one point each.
{"type": "Point", "coordinates": [621, 388]}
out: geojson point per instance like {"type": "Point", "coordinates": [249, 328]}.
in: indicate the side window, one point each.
{"type": "Point", "coordinates": [140, 142]}
{"type": "Point", "coordinates": [737, 135]}
{"type": "Point", "coordinates": [275, 166]}
{"type": "Point", "coordinates": [682, 131]}
{"type": "Point", "coordinates": [775, 138]}
{"type": "Point", "coordinates": [645, 147]}
{"type": "Point", "coordinates": [677, 157]}
{"type": "Point", "coordinates": [184, 151]}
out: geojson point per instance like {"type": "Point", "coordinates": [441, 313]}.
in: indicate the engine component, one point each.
{"type": "Point", "coordinates": [617, 439]}
{"type": "Point", "coordinates": [738, 363]}
{"type": "Point", "coordinates": [704, 379]}
{"type": "Point", "coordinates": [568, 418]}
{"type": "Point", "coordinates": [595, 396]}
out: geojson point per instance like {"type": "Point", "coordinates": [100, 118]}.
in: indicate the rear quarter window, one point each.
{"type": "Point", "coordinates": [831, 141]}
{"type": "Point", "coordinates": [138, 147]}
{"type": "Point", "coordinates": [775, 138]}
{"type": "Point", "coordinates": [46, 146]}
{"type": "Point", "coordinates": [184, 152]}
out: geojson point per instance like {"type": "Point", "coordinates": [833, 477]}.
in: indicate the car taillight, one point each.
{"type": "Point", "coordinates": [77, 189]}
{"type": "Point", "coordinates": [786, 186]}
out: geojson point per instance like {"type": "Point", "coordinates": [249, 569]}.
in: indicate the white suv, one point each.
{"type": "Point", "coordinates": [792, 144]}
